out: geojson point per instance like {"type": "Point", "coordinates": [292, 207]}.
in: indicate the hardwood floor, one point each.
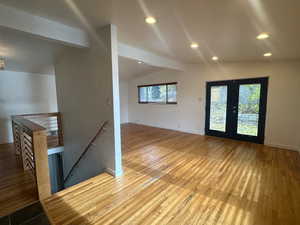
{"type": "Point", "coordinates": [178, 178]}
{"type": "Point", "coordinates": [17, 188]}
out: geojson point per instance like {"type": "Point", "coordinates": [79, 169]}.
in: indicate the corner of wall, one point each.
{"type": "Point", "coordinates": [114, 173]}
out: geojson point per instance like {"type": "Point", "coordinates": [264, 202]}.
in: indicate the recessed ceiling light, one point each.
{"type": "Point", "coordinates": [150, 20]}
{"type": "Point", "coordinates": [215, 58]}
{"type": "Point", "coordinates": [194, 45]}
{"type": "Point", "coordinates": [140, 62]}
{"type": "Point", "coordinates": [268, 54]}
{"type": "Point", "coordinates": [263, 36]}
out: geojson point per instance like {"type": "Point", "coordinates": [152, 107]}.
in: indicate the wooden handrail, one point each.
{"type": "Point", "coordinates": [40, 150]}
{"type": "Point", "coordinates": [31, 140]}
{"type": "Point", "coordinates": [86, 150]}
{"type": "Point", "coordinates": [33, 127]}
{"type": "Point", "coordinates": [29, 120]}
{"type": "Point", "coordinates": [39, 115]}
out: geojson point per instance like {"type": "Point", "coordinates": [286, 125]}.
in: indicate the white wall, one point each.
{"type": "Point", "coordinates": [124, 101]}
{"type": "Point", "coordinates": [283, 109]}
{"type": "Point", "coordinates": [22, 93]}
{"type": "Point", "coordinates": [185, 116]}
{"type": "Point", "coordinates": [88, 94]}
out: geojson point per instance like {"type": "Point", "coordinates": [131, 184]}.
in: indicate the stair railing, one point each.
{"type": "Point", "coordinates": [87, 148]}
{"type": "Point", "coordinates": [31, 144]}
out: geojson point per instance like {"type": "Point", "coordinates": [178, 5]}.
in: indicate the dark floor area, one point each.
{"type": "Point", "coordinates": [31, 215]}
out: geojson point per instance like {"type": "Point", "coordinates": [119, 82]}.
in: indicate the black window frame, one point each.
{"type": "Point", "coordinates": [167, 102]}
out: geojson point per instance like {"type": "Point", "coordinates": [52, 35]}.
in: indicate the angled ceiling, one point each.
{"type": "Point", "coordinates": [25, 53]}
{"type": "Point", "coordinates": [227, 29]}
{"type": "Point", "coordinates": [129, 68]}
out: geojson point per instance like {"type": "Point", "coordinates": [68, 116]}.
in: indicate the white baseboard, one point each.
{"type": "Point", "coordinates": [168, 128]}
{"type": "Point", "coordinates": [113, 172]}
{"type": "Point", "coordinates": [288, 147]}
{"type": "Point", "coordinates": [192, 132]}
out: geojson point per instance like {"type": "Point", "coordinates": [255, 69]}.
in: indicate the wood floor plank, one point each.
{"type": "Point", "coordinates": [17, 188]}
{"type": "Point", "coordinates": [177, 178]}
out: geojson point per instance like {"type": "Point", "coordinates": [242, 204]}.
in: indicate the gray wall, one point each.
{"type": "Point", "coordinates": [56, 172]}
{"type": "Point", "coordinates": [88, 94]}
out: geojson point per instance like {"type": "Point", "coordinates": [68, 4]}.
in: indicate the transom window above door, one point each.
{"type": "Point", "coordinates": [165, 93]}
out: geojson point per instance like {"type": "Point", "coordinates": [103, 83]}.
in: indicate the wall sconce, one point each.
{"type": "Point", "coordinates": [2, 64]}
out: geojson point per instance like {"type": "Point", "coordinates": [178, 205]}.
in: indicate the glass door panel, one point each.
{"type": "Point", "coordinates": [218, 108]}
{"type": "Point", "coordinates": [248, 109]}
{"type": "Point", "coordinates": [237, 109]}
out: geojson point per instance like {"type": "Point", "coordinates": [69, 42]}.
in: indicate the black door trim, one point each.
{"type": "Point", "coordinates": [232, 100]}
{"type": "Point", "coordinates": [207, 109]}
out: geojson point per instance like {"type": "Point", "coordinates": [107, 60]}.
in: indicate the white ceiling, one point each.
{"type": "Point", "coordinates": [26, 53]}
{"type": "Point", "coordinates": [129, 68]}
{"type": "Point", "coordinates": [223, 28]}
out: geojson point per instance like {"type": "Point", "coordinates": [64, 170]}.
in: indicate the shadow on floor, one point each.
{"type": "Point", "coordinates": [30, 215]}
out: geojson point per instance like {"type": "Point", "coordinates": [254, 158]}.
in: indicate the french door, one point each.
{"type": "Point", "coordinates": [237, 109]}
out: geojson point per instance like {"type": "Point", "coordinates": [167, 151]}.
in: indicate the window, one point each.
{"type": "Point", "coordinates": [158, 93]}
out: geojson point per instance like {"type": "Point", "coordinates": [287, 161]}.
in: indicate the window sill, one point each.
{"type": "Point", "coordinates": [158, 103]}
